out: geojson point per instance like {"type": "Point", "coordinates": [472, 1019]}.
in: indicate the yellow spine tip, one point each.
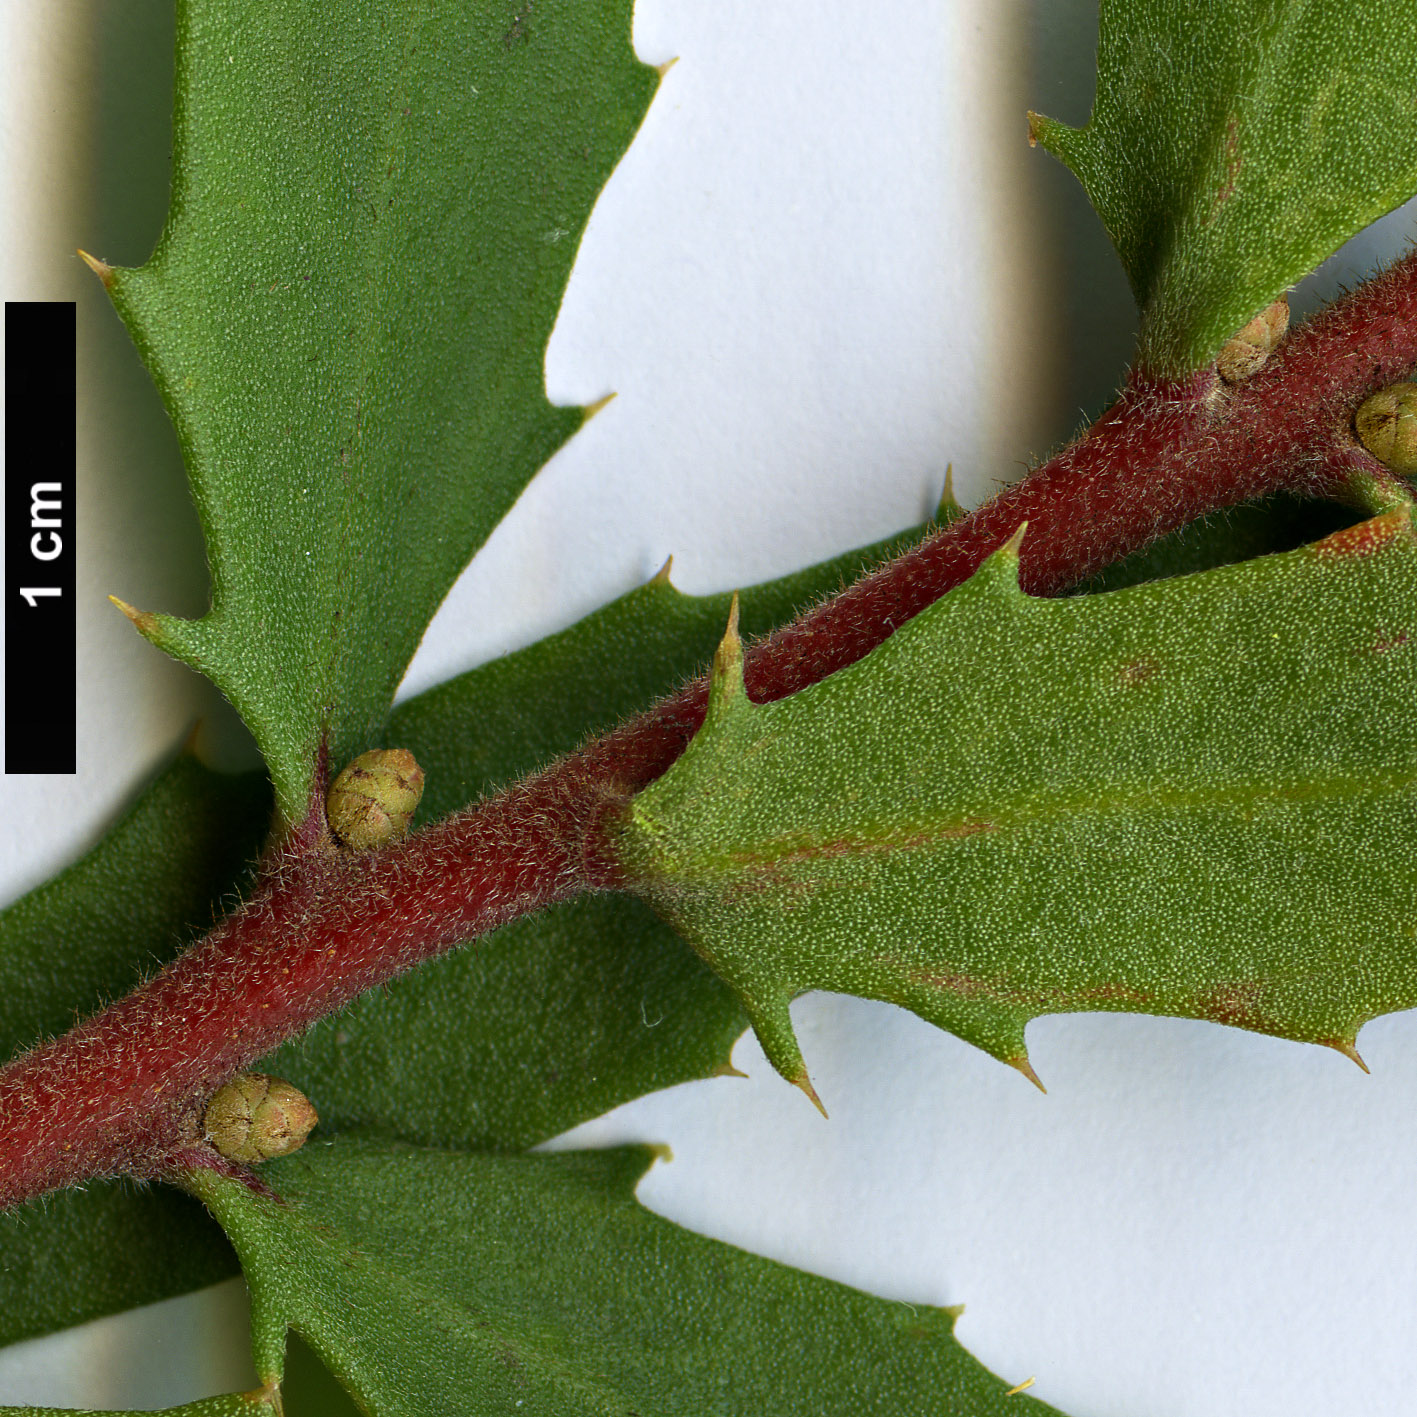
{"type": "Point", "coordinates": [727, 672]}
{"type": "Point", "coordinates": [663, 69]}
{"type": "Point", "coordinates": [1342, 1045]}
{"type": "Point", "coordinates": [1022, 1064]}
{"type": "Point", "coordinates": [661, 576]}
{"type": "Point", "coordinates": [661, 1152]}
{"type": "Point", "coordinates": [591, 409]}
{"type": "Point", "coordinates": [100, 268]}
{"type": "Point", "coordinates": [804, 1084]}
{"type": "Point", "coordinates": [1022, 1387]}
{"type": "Point", "coordinates": [731, 633]}
{"type": "Point", "coordinates": [142, 621]}
{"type": "Point", "coordinates": [1011, 546]}
{"type": "Point", "coordinates": [947, 509]}
{"type": "Point", "coordinates": [727, 1070]}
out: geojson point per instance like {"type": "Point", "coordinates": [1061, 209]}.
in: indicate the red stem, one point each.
{"type": "Point", "coordinates": [123, 1091]}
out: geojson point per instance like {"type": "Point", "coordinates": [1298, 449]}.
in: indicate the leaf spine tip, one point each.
{"type": "Point", "coordinates": [663, 69]}
{"type": "Point", "coordinates": [591, 409]}
{"type": "Point", "coordinates": [1011, 546]}
{"type": "Point", "coordinates": [726, 681]}
{"type": "Point", "coordinates": [948, 509]}
{"type": "Point", "coordinates": [143, 621]}
{"type": "Point", "coordinates": [727, 1070]}
{"type": "Point", "coordinates": [731, 633]}
{"type": "Point", "coordinates": [804, 1083]}
{"type": "Point", "coordinates": [1022, 1387]}
{"type": "Point", "coordinates": [1022, 1064]}
{"type": "Point", "coordinates": [660, 1151]}
{"type": "Point", "coordinates": [661, 576]}
{"type": "Point", "coordinates": [1344, 1046]}
{"type": "Point", "coordinates": [100, 268]}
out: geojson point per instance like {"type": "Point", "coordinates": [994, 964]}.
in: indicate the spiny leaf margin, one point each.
{"type": "Point", "coordinates": [547, 1282]}
{"type": "Point", "coordinates": [1193, 797]}
{"type": "Point", "coordinates": [374, 217]}
{"type": "Point", "coordinates": [1232, 147]}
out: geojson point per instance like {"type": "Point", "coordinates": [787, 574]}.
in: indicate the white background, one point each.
{"type": "Point", "coordinates": [829, 265]}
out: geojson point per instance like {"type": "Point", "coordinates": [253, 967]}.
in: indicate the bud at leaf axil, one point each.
{"type": "Point", "coordinates": [1387, 427]}
{"type": "Point", "coordinates": [1244, 354]}
{"type": "Point", "coordinates": [255, 1117]}
{"type": "Point", "coordinates": [373, 800]}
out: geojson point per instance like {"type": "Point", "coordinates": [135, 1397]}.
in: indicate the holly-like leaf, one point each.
{"type": "Point", "coordinates": [1193, 797]}
{"type": "Point", "coordinates": [1233, 146]}
{"type": "Point", "coordinates": [634, 1010]}
{"type": "Point", "coordinates": [435, 1281]}
{"type": "Point", "coordinates": [374, 216]}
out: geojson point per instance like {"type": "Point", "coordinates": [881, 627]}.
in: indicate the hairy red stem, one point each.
{"type": "Point", "coordinates": [123, 1092]}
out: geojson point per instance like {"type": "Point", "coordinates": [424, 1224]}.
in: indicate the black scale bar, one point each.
{"type": "Point", "coordinates": [40, 686]}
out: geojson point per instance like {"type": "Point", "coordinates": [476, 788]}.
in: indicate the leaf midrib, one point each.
{"type": "Point", "coordinates": [933, 831]}
{"type": "Point", "coordinates": [375, 265]}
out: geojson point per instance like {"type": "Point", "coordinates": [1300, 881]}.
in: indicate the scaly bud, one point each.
{"type": "Point", "coordinates": [373, 800]}
{"type": "Point", "coordinates": [1387, 426]}
{"type": "Point", "coordinates": [255, 1117]}
{"type": "Point", "coordinates": [1242, 354]}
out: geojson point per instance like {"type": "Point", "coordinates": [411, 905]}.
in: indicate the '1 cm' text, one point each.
{"type": "Point", "coordinates": [46, 544]}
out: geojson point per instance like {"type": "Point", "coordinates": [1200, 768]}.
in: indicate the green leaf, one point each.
{"type": "Point", "coordinates": [232, 1404]}
{"type": "Point", "coordinates": [91, 934]}
{"type": "Point", "coordinates": [81, 1254]}
{"type": "Point", "coordinates": [633, 1011]}
{"type": "Point", "coordinates": [434, 1282]}
{"type": "Point", "coordinates": [374, 216]}
{"type": "Point", "coordinates": [1193, 797]}
{"type": "Point", "coordinates": [1233, 146]}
